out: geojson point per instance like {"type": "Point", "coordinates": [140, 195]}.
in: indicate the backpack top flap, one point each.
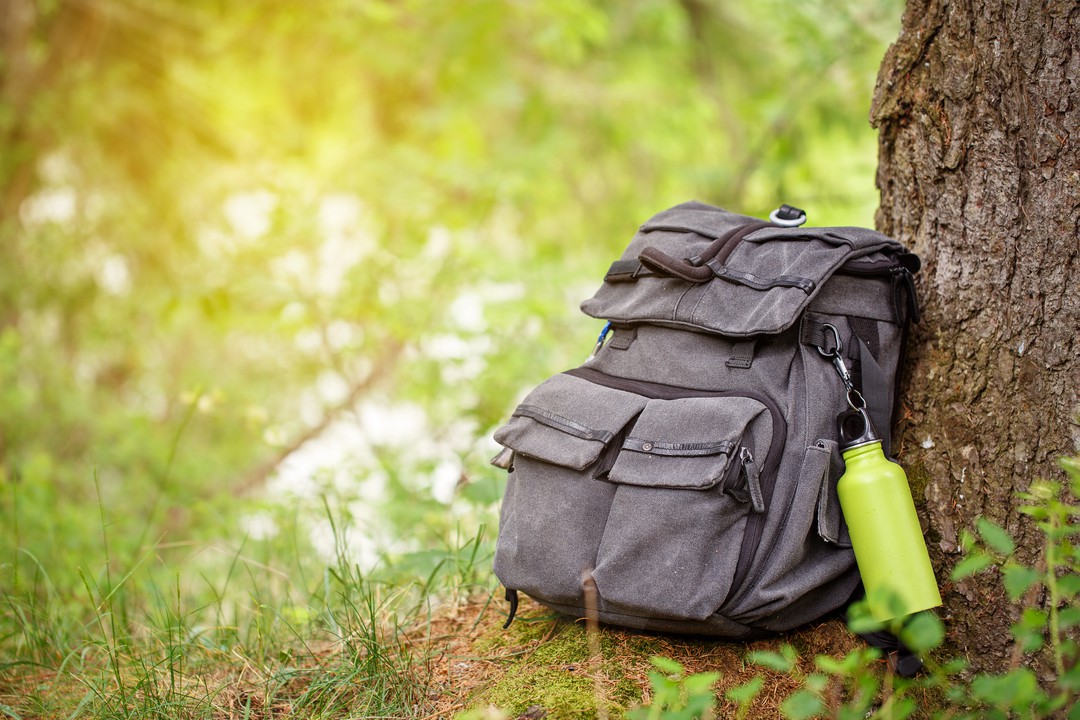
{"type": "Point", "coordinates": [702, 268]}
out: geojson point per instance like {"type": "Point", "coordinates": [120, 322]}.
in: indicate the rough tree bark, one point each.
{"type": "Point", "coordinates": [978, 108]}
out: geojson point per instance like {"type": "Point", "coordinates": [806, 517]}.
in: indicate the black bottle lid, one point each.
{"type": "Point", "coordinates": [856, 429]}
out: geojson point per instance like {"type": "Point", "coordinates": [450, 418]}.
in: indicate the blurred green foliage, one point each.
{"type": "Point", "coordinates": [226, 228]}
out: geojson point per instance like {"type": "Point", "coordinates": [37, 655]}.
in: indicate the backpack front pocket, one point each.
{"type": "Point", "coordinates": [564, 434]}
{"type": "Point", "coordinates": [686, 480]}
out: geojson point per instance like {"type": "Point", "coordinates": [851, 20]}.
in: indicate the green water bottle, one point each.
{"type": "Point", "coordinates": [884, 528]}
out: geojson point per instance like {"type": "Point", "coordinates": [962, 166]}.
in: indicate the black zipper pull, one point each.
{"type": "Point", "coordinates": [743, 481]}
{"type": "Point", "coordinates": [753, 480]}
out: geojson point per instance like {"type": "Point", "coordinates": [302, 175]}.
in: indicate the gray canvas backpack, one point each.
{"type": "Point", "coordinates": [684, 477]}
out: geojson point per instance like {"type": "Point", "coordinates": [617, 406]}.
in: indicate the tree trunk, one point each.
{"type": "Point", "coordinates": [978, 109]}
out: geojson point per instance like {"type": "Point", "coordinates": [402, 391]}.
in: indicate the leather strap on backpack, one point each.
{"type": "Point", "coordinates": [694, 269]}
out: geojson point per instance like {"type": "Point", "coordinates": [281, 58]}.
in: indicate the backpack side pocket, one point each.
{"type": "Point", "coordinates": [554, 509]}
{"type": "Point", "coordinates": [687, 478]}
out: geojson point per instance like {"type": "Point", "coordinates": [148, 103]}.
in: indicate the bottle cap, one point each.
{"type": "Point", "coordinates": [856, 429]}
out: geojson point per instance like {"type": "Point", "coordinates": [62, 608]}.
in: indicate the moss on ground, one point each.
{"type": "Point", "coordinates": [561, 676]}
{"type": "Point", "coordinates": [523, 631]}
{"type": "Point", "coordinates": [559, 691]}
{"type": "Point", "coordinates": [546, 662]}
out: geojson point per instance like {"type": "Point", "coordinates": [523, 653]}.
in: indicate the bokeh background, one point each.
{"type": "Point", "coordinates": [271, 272]}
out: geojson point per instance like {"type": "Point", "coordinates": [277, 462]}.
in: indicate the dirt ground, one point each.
{"type": "Point", "coordinates": [546, 665]}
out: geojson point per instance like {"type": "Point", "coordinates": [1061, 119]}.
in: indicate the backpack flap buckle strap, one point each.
{"type": "Point", "coordinates": [626, 271]}
{"type": "Point", "coordinates": [742, 354]}
{"type": "Point", "coordinates": [623, 338]}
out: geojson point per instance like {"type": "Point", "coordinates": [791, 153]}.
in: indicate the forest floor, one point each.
{"type": "Point", "coordinates": [546, 665]}
{"type": "Point", "coordinates": [458, 664]}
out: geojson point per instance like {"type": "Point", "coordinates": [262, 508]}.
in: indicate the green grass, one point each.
{"type": "Point", "coordinates": [264, 629]}
{"type": "Point", "coordinates": [258, 630]}
{"type": "Point", "coordinates": [148, 652]}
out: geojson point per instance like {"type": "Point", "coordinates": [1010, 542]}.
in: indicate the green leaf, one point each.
{"type": "Point", "coordinates": [1068, 617]}
{"type": "Point", "coordinates": [1070, 681]}
{"type": "Point", "coordinates": [789, 651]}
{"type": "Point", "coordinates": [1014, 690]}
{"type": "Point", "coordinates": [836, 667]}
{"type": "Point", "coordinates": [667, 665]}
{"type": "Point", "coordinates": [967, 541]}
{"type": "Point", "coordinates": [701, 683]}
{"type": "Point", "coordinates": [852, 713]}
{"type": "Point", "coordinates": [1029, 631]}
{"type": "Point", "coordinates": [1029, 637]}
{"type": "Point", "coordinates": [1019, 579]}
{"type": "Point", "coordinates": [663, 686]}
{"type": "Point", "coordinates": [1038, 512]}
{"type": "Point", "coordinates": [697, 706]}
{"type": "Point", "coordinates": [1069, 585]}
{"type": "Point", "coordinates": [771, 660]}
{"type": "Point", "coordinates": [923, 632]}
{"type": "Point", "coordinates": [9, 712]}
{"type": "Point", "coordinates": [1071, 465]}
{"type": "Point", "coordinates": [954, 666]}
{"type": "Point", "coordinates": [485, 490]}
{"type": "Point", "coordinates": [957, 695]}
{"type": "Point", "coordinates": [1050, 705]}
{"type": "Point", "coordinates": [1034, 619]}
{"type": "Point", "coordinates": [1029, 641]}
{"type": "Point", "coordinates": [744, 694]}
{"type": "Point", "coordinates": [887, 602]}
{"type": "Point", "coordinates": [859, 624]}
{"type": "Point", "coordinates": [903, 708]}
{"type": "Point", "coordinates": [995, 536]}
{"type": "Point", "coordinates": [802, 705]}
{"type": "Point", "coordinates": [970, 565]}
{"type": "Point", "coordinates": [866, 690]}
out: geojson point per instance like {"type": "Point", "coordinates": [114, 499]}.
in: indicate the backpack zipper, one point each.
{"type": "Point", "coordinates": [755, 521]}
{"type": "Point", "coordinates": [900, 277]}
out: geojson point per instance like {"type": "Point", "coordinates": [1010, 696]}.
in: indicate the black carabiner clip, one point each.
{"type": "Point", "coordinates": [838, 345]}
{"type": "Point", "coordinates": [836, 353]}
